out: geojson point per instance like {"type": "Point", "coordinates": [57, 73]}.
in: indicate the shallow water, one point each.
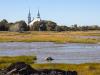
{"type": "Point", "coordinates": [62, 53]}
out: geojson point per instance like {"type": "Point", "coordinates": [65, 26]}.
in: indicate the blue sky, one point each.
{"type": "Point", "coordinates": [64, 12]}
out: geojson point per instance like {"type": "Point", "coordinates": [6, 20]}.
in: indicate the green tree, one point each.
{"type": "Point", "coordinates": [35, 26]}
{"type": "Point", "coordinates": [4, 25]}
{"type": "Point", "coordinates": [58, 28]}
{"type": "Point", "coordinates": [19, 26]}
{"type": "Point", "coordinates": [51, 25]}
{"type": "Point", "coordinates": [43, 26]}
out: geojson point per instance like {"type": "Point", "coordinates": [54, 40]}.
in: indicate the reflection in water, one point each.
{"type": "Point", "coordinates": [62, 53]}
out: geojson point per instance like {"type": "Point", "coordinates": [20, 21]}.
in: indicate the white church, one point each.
{"type": "Point", "coordinates": [31, 22]}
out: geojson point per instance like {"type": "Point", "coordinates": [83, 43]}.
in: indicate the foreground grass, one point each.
{"type": "Point", "coordinates": [57, 37]}
{"type": "Point", "coordinates": [82, 69]}
{"type": "Point", "coordinates": [6, 60]}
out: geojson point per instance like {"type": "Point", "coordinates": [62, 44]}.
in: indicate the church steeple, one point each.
{"type": "Point", "coordinates": [29, 17]}
{"type": "Point", "coordinates": [38, 18]}
{"type": "Point", "coordinates": [38, 14]}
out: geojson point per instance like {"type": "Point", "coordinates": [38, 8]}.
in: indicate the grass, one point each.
{"type": "Point", "coordinates": [82, 69]}
{"type": "Point", "coordinates": [87, 66]}
{"type": "Point", "coordinates": [57, 37]}
{"type": "Point", "coordinates": [5, 61]}
{"type": "Point", "coordinates": [12, 59]}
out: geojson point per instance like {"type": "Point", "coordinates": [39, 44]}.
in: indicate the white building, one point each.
{"type": "Point", "coordinates": [31, 22]}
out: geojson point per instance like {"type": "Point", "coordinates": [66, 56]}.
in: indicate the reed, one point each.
{"type": "Point", "coordinates": [82, 69]}
{"type": "Point", "coordinates": [13, 59]}
{"type": "Point", "coordinates": [57, 37]}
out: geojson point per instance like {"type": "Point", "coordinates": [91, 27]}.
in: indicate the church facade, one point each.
{"type": "Point", "coordinates": [31, 22]}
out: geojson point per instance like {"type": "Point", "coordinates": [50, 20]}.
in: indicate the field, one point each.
{"type": "Point", "coordinates": [57, 37]}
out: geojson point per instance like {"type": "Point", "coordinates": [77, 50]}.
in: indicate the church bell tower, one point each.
{"type": "Point", "coordinates": [38, 15]}
{"type": "Point", "coordinates": [29, 17]}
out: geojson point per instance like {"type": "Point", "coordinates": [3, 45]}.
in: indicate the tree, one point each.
{"type": "Point", "coordinates": [35, 26]}
{"type": "Point", "coordinates": [19, 26]}
{"type": "Point", "coordinates": [58, 28]}
{"type": "Point", "coordinates": [4, 25]}
{"type": "Point", "coordinates": [74, 27]}
{"type": "Point", "coordinates": [43, 26]}
{"type": "Point", "coordinates": [51, 25]}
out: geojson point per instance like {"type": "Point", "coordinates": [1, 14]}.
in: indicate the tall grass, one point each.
{"type": "Point", "coordinates": [13, 59]}
{"type": "Point", "coordinates": [57, 37]}
{"type": "Point", "coordinates": [82, 69]}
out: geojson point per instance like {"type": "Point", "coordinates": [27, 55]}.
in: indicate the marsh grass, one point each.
{"type": "Point", "coordinates": [82, 69]}
{"type": "Point", "coordinates": [5, 61]}
{"type": "Point", "coordinates": [13, 59]}
{"type": "Point", "coordinates": [57, 37]}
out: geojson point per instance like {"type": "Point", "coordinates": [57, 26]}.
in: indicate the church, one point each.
{"type": "Point", "coordinates": [31, 22]}
{"type": "Point", "coordinates": [42, 25]}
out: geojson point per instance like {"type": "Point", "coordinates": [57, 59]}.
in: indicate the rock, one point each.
{"type": "Point", "coordinates": [49, 59]}
{"type": "Point", "coordinates": [20, 68]}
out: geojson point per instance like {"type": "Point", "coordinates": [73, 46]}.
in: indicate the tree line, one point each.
{"type": "Point", "coordinates": [75, 27]}
{"type": "Point", "coordinates": [44, 25]}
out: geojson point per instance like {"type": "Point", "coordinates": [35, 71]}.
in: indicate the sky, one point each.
{"type": "Point", "coordinates": [63, 12]}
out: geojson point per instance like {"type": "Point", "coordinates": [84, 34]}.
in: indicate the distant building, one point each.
{"type": "Point", "coordinates": [40, 25]}
{"type": "Point", "coordinates": [31, 22]}
{"type": "Point", "coordinates": [29, 17]}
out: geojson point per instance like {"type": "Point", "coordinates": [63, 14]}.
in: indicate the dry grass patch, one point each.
{"type": "Point", "coordinates": [57, 37]}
